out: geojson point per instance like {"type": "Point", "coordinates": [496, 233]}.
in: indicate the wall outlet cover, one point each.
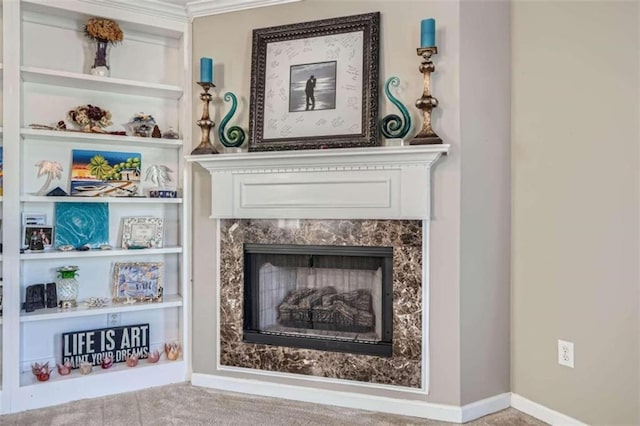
{"type": "Point", "coordinates": [565, 353]}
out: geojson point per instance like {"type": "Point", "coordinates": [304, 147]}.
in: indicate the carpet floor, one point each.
{"type": "Point", "coordinates": [183, 404]}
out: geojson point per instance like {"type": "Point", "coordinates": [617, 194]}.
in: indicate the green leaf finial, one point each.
{"type": "Point", "coordinates": [392, 125]}
{"type": "Point", "coordinates": [235, 136]}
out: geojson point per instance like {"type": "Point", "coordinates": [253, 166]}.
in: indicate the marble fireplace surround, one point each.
{"type": "Point", "coordinates": [382, 189]}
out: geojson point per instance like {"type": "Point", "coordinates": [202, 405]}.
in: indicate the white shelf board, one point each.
{"type": "Point", "coordinates": [118, 379]}
{"type": "Point", "coordinates": [28, 379]}
{"type": "Point", "coordinates": [110, 200]}
{"type": "Point", "coordinates": [74, 254]}
{"type": "Point", "coordinates": [104, 84]}
{"type": "Point", "coordinates": [169, 301]}
{"type": "Point", "coordinates": [84, 137]}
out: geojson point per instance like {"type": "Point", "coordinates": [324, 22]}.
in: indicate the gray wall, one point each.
{"type": "Point", "coordinates": [458, 275]}
{"type": "Point", "coordinates": [575, 207]}
{"type": "Point", "coordinates": [485, 101]}
{"type": "Point", "coordinates": [227, 38]}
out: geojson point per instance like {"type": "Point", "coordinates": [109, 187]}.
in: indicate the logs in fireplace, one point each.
{"type": "Point", "coordinates": [333, 298]}
{"type": "Point", "coordinates": [326, 309]}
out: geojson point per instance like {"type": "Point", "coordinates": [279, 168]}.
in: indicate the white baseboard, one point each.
{"type": "Point", "coordinates": [486, 406]}
{"type": "Point", "coordinates": [543, 413]}
{"type": "Point", "coordinates": [441, 412]}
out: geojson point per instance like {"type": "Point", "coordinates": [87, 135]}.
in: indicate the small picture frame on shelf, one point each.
{"type": "Point", "coordinates": [142, 232]}
{"type": "Point", "coordinates": [34, 219]}
{"type": "Point", "coordinates": [38, 237]}
{"type": "Point", "coordinates": [137, 281]}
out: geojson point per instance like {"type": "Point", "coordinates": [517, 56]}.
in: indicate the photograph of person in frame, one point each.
{"type": "Point", "coordinates": [312, 87]}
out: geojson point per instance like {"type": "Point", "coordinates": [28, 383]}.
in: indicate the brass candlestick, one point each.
{"type": "Point", "coordinates": [427, 102]}
{"type": "Point", "coordinates": [205, 123]}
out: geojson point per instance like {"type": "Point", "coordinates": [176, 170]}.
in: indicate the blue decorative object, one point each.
{"type": "Point", "coordinates": [235, 134]}
{"type": "Point", "coordinates": [393, 126]}
{"type": "Point", "coordinates": [79, 224]}
{"type": "Point", "coordinates": [428, 32]}
{"type": "Point", "coordinates": [206, 70]}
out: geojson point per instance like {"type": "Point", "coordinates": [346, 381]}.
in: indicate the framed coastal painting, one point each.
{"type": "Point", "coordinates": [137, 281]}
{"type": "Point", "coordinates": [105, 173]}
{"type": "Point", "coordinates": [81, 224]}
{"type": "Point", "coordinates": [315, 84]}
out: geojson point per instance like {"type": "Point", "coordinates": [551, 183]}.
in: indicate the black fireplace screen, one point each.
{"type": "Point", "coordinates": [333, 298]}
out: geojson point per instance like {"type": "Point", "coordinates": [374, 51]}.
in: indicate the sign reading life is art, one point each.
{"type": "Point", "coordinates": [95, 345]}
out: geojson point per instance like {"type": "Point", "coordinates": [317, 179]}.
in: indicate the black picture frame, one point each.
{"type": "Point", "coordinates": [353, 42]}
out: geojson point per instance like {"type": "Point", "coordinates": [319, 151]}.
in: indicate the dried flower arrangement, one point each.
{"type": "Point", "coordinates": [91, 118]}
{"type": "Point", "coordinates": [101, 29]}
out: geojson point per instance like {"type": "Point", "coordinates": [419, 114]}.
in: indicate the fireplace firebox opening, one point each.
{"type": "Point", "coordinates": [332, 298]}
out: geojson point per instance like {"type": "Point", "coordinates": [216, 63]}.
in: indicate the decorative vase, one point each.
{"type": "Point", "coordinates": [100, 64]}
{"type": "Point", "coordinates": [67, 286]}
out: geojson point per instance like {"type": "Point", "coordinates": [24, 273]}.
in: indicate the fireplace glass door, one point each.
{"type": "Point", "coordinates": [333, 298]}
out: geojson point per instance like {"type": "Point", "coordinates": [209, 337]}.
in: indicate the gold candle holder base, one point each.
{"type": "Point", "coordinates": [205, 123]}
{"type": "Point", "coordinates": [426, 103]}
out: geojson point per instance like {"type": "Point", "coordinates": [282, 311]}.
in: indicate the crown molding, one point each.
{"type": "Point", "coordinates": [191, 9]}
{"type": "Point", "coordinates": [158, 8]}
{"type": "Point", "coordinates": [200, 8]}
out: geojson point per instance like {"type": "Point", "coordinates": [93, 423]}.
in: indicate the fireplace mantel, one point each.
{"type": "Point", "coordinates": [351, 183]}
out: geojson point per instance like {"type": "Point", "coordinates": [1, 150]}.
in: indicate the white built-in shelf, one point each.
{"type": "Point", "coordinates": [110, 200]}
{"type": "Point", "coordinates": [74, 254]}
{"type": "Point", "coordinates": [104, 84]}
{"type": "Point", "coordinates": [169, 301]}
{"type": "Point", "coordinates": [84, 137]}
{"type": "Point", "coordinates": [143, 368]}
{"type": "Point", "coordinates": [1, 198]}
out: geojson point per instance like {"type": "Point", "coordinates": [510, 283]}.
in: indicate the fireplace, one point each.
{"type": "Point", "coordinates": [331, 298]}
{"type": "Point", "coordinates": [290, 198]}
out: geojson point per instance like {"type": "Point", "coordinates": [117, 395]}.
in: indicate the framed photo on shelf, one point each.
{"type": "Point", "coordinates": [315, 84]}
{"type": "Point", "coordinates": [137, 281]}
{"type": "Point", "coordinates": [142, 232]}
{"type": "Point", "coordinates": [38, 237]}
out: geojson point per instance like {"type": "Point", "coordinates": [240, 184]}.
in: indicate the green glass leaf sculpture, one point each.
{"type": "Point", "coordinates": [393, 126]}
{"type": "Point", "coordinates": [235, 136]}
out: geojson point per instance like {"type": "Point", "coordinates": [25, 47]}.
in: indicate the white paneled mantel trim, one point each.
{"type": "Point", "coordinates": [350, 183]}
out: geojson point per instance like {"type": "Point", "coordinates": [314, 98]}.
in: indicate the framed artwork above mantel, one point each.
{"type": "Point", "coordinates": [315, 84]}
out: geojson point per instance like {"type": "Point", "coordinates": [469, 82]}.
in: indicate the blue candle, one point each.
{"type": "Point", "coordinates": [428, 33]}
{"type": "Point", "coordinates": [206, 70]}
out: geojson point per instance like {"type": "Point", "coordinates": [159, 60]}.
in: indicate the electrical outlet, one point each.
{"type": "Point", "coordinates": [565, 353]}
{"type": "Point", "coordinates": [113, 319]}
